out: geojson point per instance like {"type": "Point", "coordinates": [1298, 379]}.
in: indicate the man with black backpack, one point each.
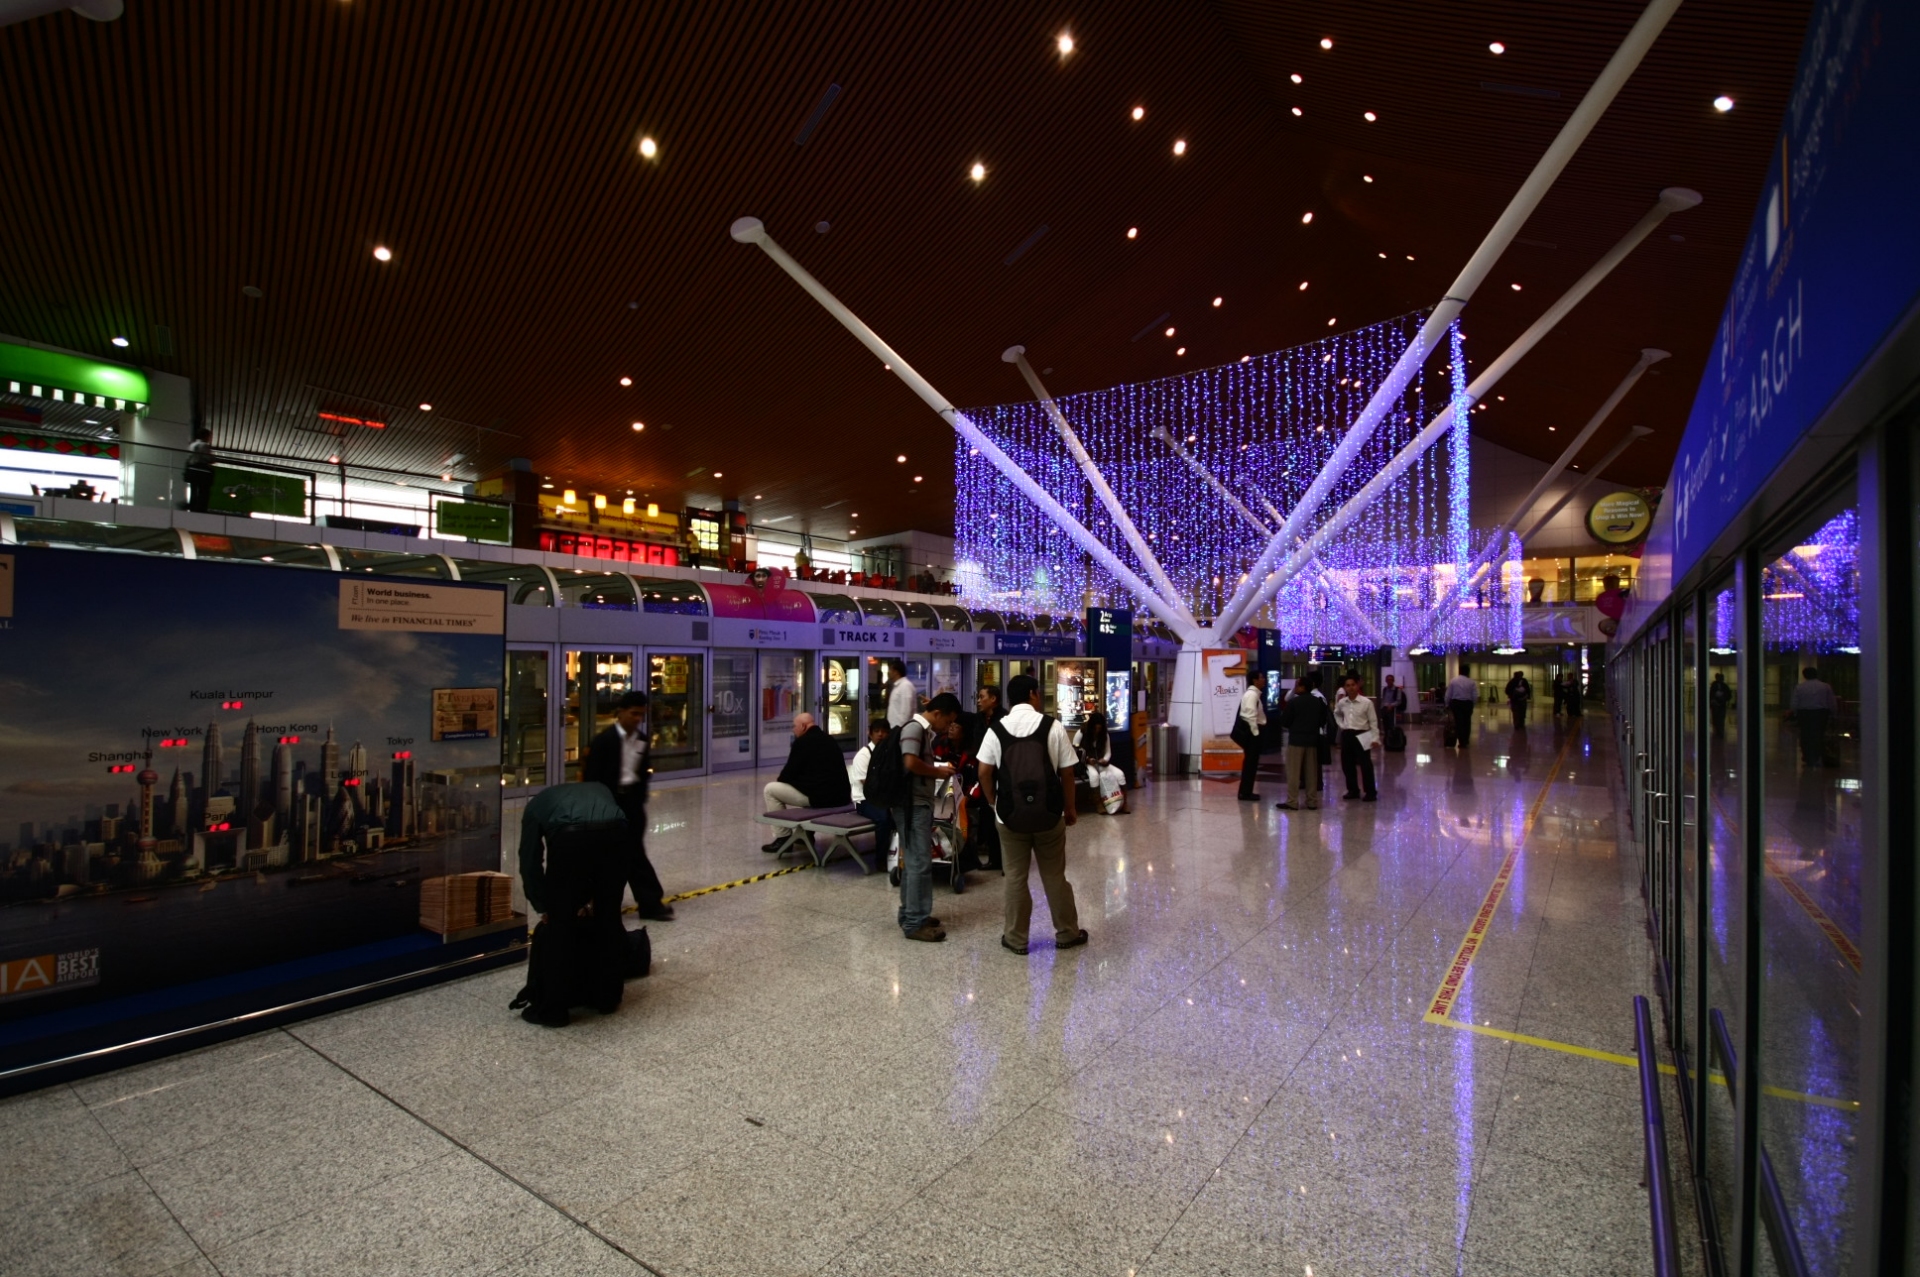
{"type": "Point", "coordinates": [1026, 772]}
{"type": "Point", "coordinates": [901, 776]}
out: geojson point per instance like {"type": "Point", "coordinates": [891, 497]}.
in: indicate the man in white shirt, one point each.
{"type": "Point", "coordinates": [1462, 694]}
{"type": "Point", "coordinates": [1248, 727]}
{"type": "Point", "coordinates": [1811, 707]}
{"type": "Point", "coordinates": [1359, 728]}
{"type": "Point", "coordinates": [882, 819]}
{"type": "Point", "coordinates": [903, 702]}
{"type": "Point", "coordinates": [1020, 844]}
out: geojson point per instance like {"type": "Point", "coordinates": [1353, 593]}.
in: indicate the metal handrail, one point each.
{"type": "Point", "coordinates": [1666, 1236]}
{"type": "Point", "coordinates": [1773, 1203]}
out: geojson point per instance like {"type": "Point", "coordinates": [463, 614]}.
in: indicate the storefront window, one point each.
{"type": "Point", "coordinates": [1816, 862]}
{"type": "Point", "coordinates": [523, 747]}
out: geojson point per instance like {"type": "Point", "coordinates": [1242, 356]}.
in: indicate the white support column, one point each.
{"type": "Point", "coordinates": [1495, 547]}
{"type": "Point", "coordinates": [750, 230]}
{"type": "Point", "coordinates": [1169, 596]}
{"type": "Point", "coordinates": [1671, 200]}
{"type": "Point", "coordinates": [1546, 171]}
{"type": "Point", "coordinates": [1593, 472]}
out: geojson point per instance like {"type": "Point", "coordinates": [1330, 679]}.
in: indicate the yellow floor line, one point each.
{"type": "Point", "coordinates": [1441, 1005]}
{"type": "Point", "coordinates": [1831, 929]}
{"type": "Point", "coordinates": [725, 886]}
{"type": "Point", "coordinates": [1613, 1057]}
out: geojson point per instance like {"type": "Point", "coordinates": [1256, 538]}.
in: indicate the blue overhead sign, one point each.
{"type": "Point", "coordinates": [1831, 266]}
{"type": "Point", "coordinates": [1034, 644]}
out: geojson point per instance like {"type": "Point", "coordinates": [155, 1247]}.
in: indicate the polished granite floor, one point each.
{"type": "Point", "coordinates": [1233, 1077]}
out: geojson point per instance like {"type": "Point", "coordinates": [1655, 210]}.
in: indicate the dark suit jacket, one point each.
{"type": "Point", "coordinates": [602, 763]}
{"type": "Point", "coordinates": [816, 769]}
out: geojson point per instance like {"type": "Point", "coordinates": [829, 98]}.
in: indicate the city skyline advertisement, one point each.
{"type": "Point", "coordinates": [211, 769]}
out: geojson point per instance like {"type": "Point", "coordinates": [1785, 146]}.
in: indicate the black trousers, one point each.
{"type": "Point", "coordinates": [647, 892]}
{"type": "Point", "coordinates": [1462, 712]}
{"type": "Point", "coordinates": [1812, 726]}
{"type": "Point", "coordinates": [1518, 705]}
{"type": "Point", "coordinates": [1357, 764]}
{"type": "Point", "coordinates": [580, 959]}
{"type": "Point", "coordinates": [1249, 766]}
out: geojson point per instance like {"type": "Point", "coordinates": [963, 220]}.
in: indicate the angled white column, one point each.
{"type": "Point", "coordinates": [1593, 472]}
{"type": "Point", "coordinates": [1598, 97]}
{"type": "Point", "coordinates": [750, 230]}
{"type": "Point", "coordinates": [1169, 596]}
{"type": "Point", "coordinates": [1495, 547]}
{"type": "Point", "coordinates": [1671, 200]}
{"type": "Point", "coordinates": [1260, 526]}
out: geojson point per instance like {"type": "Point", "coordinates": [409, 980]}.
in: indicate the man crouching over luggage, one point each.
{"type": "Point", "coordinates": [580, 948]}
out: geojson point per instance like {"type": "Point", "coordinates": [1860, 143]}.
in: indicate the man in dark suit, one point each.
{"type": "Point", "coordinates": [618, 759]}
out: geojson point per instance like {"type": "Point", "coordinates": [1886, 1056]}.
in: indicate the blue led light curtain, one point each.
{"type": "Point", "coordinates": [1265, 427]}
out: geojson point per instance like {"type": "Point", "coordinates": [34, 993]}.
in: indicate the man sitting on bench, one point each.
{"type": "Point", "coordinates": [815, 774]}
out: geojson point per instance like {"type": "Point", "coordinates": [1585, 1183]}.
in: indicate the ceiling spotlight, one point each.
{"type": "Point", "coordinates": [120, 341]}
{"type": "Point", "coordinates": [639, 425]}
{"type": "Point", "coordinates": [1133, 232]}
{"type": "Point", "coordinates": [649, 148]}
{"type": "Point", "coordinates": [1332, 322]}
{"type": "Point", "coordinates": [1298, 111]}
{"type": "Point", "coordinates": [1516, 288]}
{"type": "Point", "coordinates": [1295, 78]}
{"type": "Point", "coordinates": [978, 172]}
{"type": "Point", "coordinates": [1496, 47]}
{"type": "Point", "coordinates": [758, 497]}
{"type": "Point", "coordinates": [1246, 359]}
{"type": "Point", "coordinates": [1366, 177]}
{"type": "Point", "coordinates": [918, 479]}
{"type": "Point", "coordinates": [626, 381]}
{"type": "Point", "coordinates": [854, 515]}
{"type": "Point", "coordinates": [1409, 256]}
{"type": "Point", "coordinates": [1723, 104]}
{"type": "Point", "coordinates": [1383, 257]}
{"type": "Point", "coordinates": [1169, 332]}
{"type": "Point", "coordinates": [1180, 147]}
{"type": "Point", "coordinates": [902, 458]}
{"type": "Point", "coordinates": [1139, 112]}
{"type": "Point", "coordinates": [1326, 42]}
{"type": "Point", "coordinates": [1065, 44]}
{"type": "Point", "coordinates": [1368, 116]}
{"type": "Point", "coordinates": [1218, 300]}
{"type": "Point", "coordinates": [1303, 285]}
{"type": "Point", "coordinates": [718, 475]}
{"type": "Point", "coordinates": [382, 254]}
{"type": "Point", "coordinates": [1306, 219]}
{"type": "Point", "coordinates": [1181, 351]}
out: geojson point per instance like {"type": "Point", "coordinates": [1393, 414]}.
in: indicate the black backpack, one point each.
{"type": "Point", "coordinates": [888, 782]}
{"type": "Point", "coordinates": [1028, 793]}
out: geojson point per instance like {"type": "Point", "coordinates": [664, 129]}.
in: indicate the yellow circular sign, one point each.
{"type": "Point", "coordinates": [1619, 518]}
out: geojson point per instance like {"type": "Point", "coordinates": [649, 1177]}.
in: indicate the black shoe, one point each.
{"type": "Point", "coordinates": [659, 913]}
{"type": "Point", "coordinates": [927, 932]}
{"type": "Point", "coordinates": [771, 846]}
{"type": "Point", "coordinates": [1351, 794]}
{"type": "Point", "coordinates": [1011, 947]}
{"type": "Point", "coordinates": [1371, 798]}
{"type": "Point", "coordinates": [1248, 798]}
{"type": "Point", "coordinates": [1286, 807]}
{"type": "Point", "coordinates": [546, 1020]}
{"type": "Point", "coordinates": [1072, 942]}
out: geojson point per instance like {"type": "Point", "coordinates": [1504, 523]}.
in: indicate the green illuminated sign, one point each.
{"type": "Point", "coordinates": [49, 374]}
{"type": "Point", "coordinates": [257, 492]}
{"type": "Point", "coordinates": [475, 520]}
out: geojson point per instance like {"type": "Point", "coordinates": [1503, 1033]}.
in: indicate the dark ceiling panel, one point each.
{"type": "Point", "coordinates": [164, 161]}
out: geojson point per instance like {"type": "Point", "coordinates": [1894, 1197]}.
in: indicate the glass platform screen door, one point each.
{"type": "Point", "coordinates": [679, 711]}
{"type": "Point", "coordinates": [734, 722]}
{"type": "Point", "coordinates": [783, 693]}
{"type": "Point", "coordinates": [595, 682]}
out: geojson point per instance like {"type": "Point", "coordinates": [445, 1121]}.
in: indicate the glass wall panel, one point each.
{"type": "Point", "coordinates": [921, 616]}
{"type": "Point", "coordinates": [783, 693]}
{"type": "Point", "coordinates": [1726, 888]}
{"type": "Point", "coordinates": [734, 723]}
{"type": "Point", "coordinates": [526, 584]}
{"type": "Point", "coordinates": [72, 534]}
{"type": "Point", "coordinates": [212, 545]}
{"type": "Point", "coordinates": [672, 596]}
{"type": "Point", "coordinates": [840, 696]}
{"type": "Point", "coordinates": [947, 674]}
{"type": "Point", "coordinates": [988, 621]}
{"type": "Point", "coordinates": [595, 680]}
{"type": "Point", "coordinates": [883, 612]}
{"type": "Point", "coordinates": [677, 710]}
{"type": "Point", "coordinates": [953, 617]}
{"type": "Point", "coordinates": [390, 563]}
{"type": "Point", "coordinates": [836, 609]}
{"type": "Point", "coordinates": [881, 673]}
{"type": "Point", "coordinates": [1687, 811]}
{"type": "Point", "coordinates": [1815, 862]}
{"type": "Point", "coordinates": [523, 747]}
{"type": "Point", "coordinates": [602, 591]}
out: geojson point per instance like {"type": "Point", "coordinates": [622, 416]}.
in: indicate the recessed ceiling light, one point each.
{"type": "Point", "coordinates": [626, 381]}
{"type": "Point", "coordinates": [1303, 285]}
{"type": "Point", "coordinates": [1295, 78]}
{"type": "Point", "coordinates": [1169, 332]}
{"type": "Point", "coordinates": [382, 254]}
{"type": "Point", "coordinates": [1368, 116]}
{"type": "Point", "coordinates": [1246, 359]}
{"type": "Point", "coordinates": [1496, 47]}
{"type": "Point", "coordinates": [1298, 111]}
{"type": "Point", "coordinates": [1139, 112]}
{"type": "Point", "coordinates": [1723, 104]}
{"type": "Point", "coordinates": [978, 172]}
{"type": "Point", "coordinates": [1180, 147]}
{"type": "Point", "coordinates": [1332, 322]}
{"type": "Point", "coordinates": [902, 458]}
{"type": "Point", "coordinates": [649, 147]}
{"type": "Point", "coordinates": [1326, 42]}
{"type": "Point", "coordinates": [639, 425]}
{"type": "Point", "coordinates": [120, 341]}
{"type": "Point", "coordinates": [1181, 351]}
{"type": "Point", "coordinates": [1409, 256]}
{"type": "Point", "coordinates": [1133, 232]}
{"type": "Point", "coordinates": [1218, 300]}
{"type": "Point", "coordinates": [854, 515]}
{"type": "Point", "coordinates": [1383, 257]}
{"type": "Point", "coordinates": [1306, 219]}
{"type": "Point", "coordinates": [758, 497]}
{"type": "Point", "coordinates": [718, 475]}
{"type": "Point", "coordinates": [1516, 288]}
{"type": "Point", "coordinates": [1064, 44]}
{"type": "Point", "coordinates": [918, 479]}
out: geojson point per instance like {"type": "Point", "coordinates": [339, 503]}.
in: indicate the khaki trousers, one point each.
{"type": "Point", "coordinates": [1303, 775]}
{"type": "Point", "coordinates": [1049, 850]}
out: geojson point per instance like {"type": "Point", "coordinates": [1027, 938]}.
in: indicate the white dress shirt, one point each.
{"type": "Point", "coordinates": [1354, 714]}
{"type": "Point", "coordinates": [1253, 709]}
{"type": "Point", "coordinates": [1462, 688]}
{"type": "Point", "coordinates": [633, 756]}
{"type": "Point", "coordinates": [902, 703]}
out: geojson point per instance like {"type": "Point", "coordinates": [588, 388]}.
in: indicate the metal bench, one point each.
{"type": "Point", "coordinates": [794, 836]}
{"type": "Point", "coordinates": [841, 829]}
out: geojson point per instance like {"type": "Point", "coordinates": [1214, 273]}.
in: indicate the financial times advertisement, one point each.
{"type": "Point", "coordinates": [208, 770]}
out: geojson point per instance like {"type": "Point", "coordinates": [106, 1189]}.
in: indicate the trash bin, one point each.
{"type": "Point", "coordinates": [1166, 749]}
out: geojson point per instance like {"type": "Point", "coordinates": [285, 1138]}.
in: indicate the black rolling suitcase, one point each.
{"type": "Point", "coordinates": [577, 961]}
